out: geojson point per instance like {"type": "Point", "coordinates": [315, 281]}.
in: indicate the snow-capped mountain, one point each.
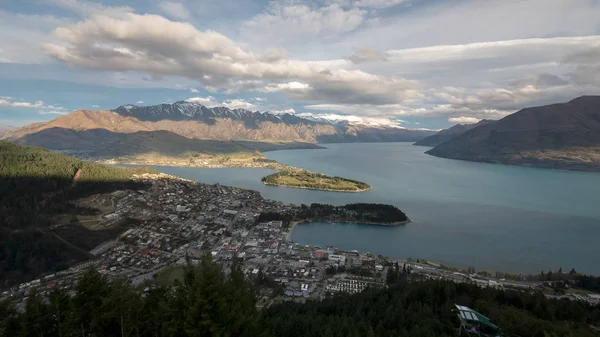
{"type": "Point", "coordinates": [184, 127]}
{"type": "Point", "coordinates": [193, 111]}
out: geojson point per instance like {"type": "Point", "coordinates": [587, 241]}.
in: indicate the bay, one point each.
{"type": "Point", "coordinates": [493, 217]}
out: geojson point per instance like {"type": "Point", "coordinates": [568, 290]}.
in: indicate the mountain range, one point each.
{"type": "Point", "coordinates": [191, 127]}
{"type": "Point", "coordinates": [558, 136]}
{"type": "Point", "coordinates": [450, 133]}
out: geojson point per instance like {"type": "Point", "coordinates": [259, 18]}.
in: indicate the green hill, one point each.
{"type": "Point", "coordinates": [36, 185]}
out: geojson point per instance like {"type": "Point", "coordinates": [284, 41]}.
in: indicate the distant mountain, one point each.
{"type": "Point", "coordinates": [180, 126]}
{"type": "Point", "coordinates": [450, 133]}
{"type": "Point", "coordinates": [5, 129]}
{"type": "Point", "coordinates": [560, 136]}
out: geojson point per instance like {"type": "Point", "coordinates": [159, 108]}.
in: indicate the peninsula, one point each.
{"type": "Point", "coordinates": [315, 181]}
{"type": "Point", "coordinates": [362, 213]}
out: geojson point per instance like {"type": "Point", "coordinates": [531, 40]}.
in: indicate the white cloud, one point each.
{"type": "Point", "coordinates": [7, 103]}
{"type": "Point", "coordinates": [284, 111]}
{"type": "Point", "coordinates": [206, 101]}
{"type": "Point", "coordinates": [367, 55]}
{"type": "Point", "coordinates": [10, 102]}
{"type": "Point", "coordinates": [52, 112]}
{"type": "Point", "coordinates": [95, 106]}
{"type": "Point", "coordinates": [281, 23]}
{"type": "Point", "coordinates": [239, 104]}
{"type": "Point", "coordinates": [22, 34]}
{"type": "Point", "coordinates": [287, 87]}
{"type": "Point", "coordinates": [211, 102]}
{"type": "Point", "coordinates": [139, 102]}
{"type": "Point", "coordinates": [464, 120]}
{"type": "Point", "coordinates": [378, 3]}
{"type": "Point", "coordinates": [419, 26]}
{"type": "Point", "coordinates": [155, 45]}
{"type": "Point", "coordinates": [353, 119]}
{"type": "Point", "coordinates": [175, 10]}
{"type": "Point", "coordinates": [194, 90]}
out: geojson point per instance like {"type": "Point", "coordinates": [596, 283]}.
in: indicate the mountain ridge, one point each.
{"type": "Point", "coordinates": [450, 133]}
{"type": "Point", "coordinates": [559, 136]}
{"type": "Point", "coordinates": [186, 122]}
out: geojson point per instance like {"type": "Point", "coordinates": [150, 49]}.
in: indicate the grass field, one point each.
{"type": "Point", "coordinates": [168, 275]}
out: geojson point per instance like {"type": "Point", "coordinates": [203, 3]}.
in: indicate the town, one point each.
{"type": "Point", "coordinates": [177, 221]}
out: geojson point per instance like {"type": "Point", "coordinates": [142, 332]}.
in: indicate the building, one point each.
{"type": "Point", "coordinates": [341, 259]}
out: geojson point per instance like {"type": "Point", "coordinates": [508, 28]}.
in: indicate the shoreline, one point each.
{"type": "Point", "coordinates": [318, 189]}
{"type": "Point", "coordinates": [294, 223]}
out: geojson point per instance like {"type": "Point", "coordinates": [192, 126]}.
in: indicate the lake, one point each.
{"type": "Point", "coordinates": [490, 216]}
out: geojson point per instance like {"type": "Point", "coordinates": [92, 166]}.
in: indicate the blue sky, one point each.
{"type": "Point", "coordinates": [410, 63]}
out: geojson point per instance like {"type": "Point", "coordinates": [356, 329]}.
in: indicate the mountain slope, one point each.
{"type": "Point", "coordinates": [36, 194]}
{"type": "Point", "coordinates": [180, 126]}
{"type": "Point", "coordinates": [450, 133]}
{"type": "Point", "coordinates": [561, 136]}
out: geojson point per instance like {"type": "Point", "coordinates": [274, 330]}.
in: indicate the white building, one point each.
{"type": "Point", "coordinates": [337, 258]}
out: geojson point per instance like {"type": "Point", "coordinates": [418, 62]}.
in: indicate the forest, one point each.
{"type": "Point", "coordinates": [211, 302]}
{"type": "Point", "coordinates": [360, 212]}
{"type": "Point", "coordinates": [35, 186]}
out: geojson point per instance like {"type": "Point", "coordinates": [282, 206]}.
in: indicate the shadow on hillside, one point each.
{"type": "Point", "coordinates": [40, 230]}
{"type": "Point", "coordinates": [104, 143]}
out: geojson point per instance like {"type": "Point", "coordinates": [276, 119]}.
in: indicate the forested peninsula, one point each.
{"type": "Point", "coordinates": [314, 181]}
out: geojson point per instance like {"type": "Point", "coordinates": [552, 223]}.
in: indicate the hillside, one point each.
{"type": "Point", "coordinates": [450, 133]}
{"type": "Point", "coordinates": [558, 136]}
{"type": "Point", "coordinates": [37, 188]}
{"type": "Point", "coordinates": [185, 127]}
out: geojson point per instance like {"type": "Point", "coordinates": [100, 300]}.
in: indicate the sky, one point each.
{"type": "Point", "coordinates": [407, 63]}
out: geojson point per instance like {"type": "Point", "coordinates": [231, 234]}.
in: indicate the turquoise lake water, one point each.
{"type": "Point", "coordinates": [490, 216]}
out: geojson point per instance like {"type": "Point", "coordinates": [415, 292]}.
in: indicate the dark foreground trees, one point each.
{"type": "Point", "coordinates": [209, 302]}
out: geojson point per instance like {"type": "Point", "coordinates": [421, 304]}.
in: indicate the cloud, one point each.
{"type": "Point", "coordinates": [281, 23]}
{"type": "Point", "coordinates": [86, 8]}
{"type": "Point", "coordinates": [44, 109]}
{"type": "Point", "coordinates": [464, 120]}
{"type": "Point", "coordinates": [139, 102]}
{"type": "Point", "coordinates": [366, 55]}
{"type": "Point", "coordinates": [95, 106]}
{"type": "Point", "coordinates": [287, 87]}
{"type": "Point", "coordinates": [194, 90]}
{"type": "Point", "coordinates": [284, 111]}
{"type": "Point", "coordinates": [174, 9]}
{"type": "Point", "coordinates": [542, 81]}
{"type": "Point", "coordinates": [378, 3]}
{"type": "Point", "coordinates": [206, 101]}
{"type": "Point", "coordinates": [52, 112]}
{"type": "Point", "coordinates": [353, 119]}
{"type": "Point", "coordinates": [239, 104]}
{"type": "Point", "coordinates": [211, 102]}
{"type": "Point", "coordinates": [586, 66]}
{"type": "Point", "coordinates": [22, 34]}
{"type": "Point", "coordinates": [8, 103]}
{"type": "Point", "coordinates": [155, 45]}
